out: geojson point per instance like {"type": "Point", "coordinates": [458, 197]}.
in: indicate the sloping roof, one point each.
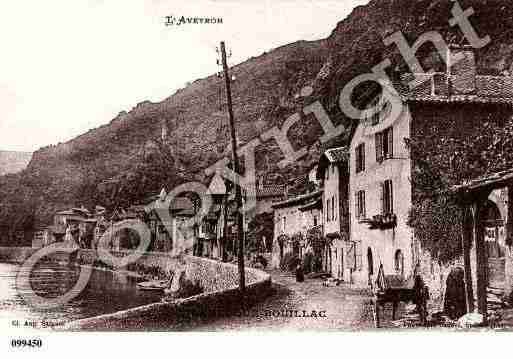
{"type": "Point", "coordinates": [315, 204]}
{"type": "Point", "coordinates": [332, 155]}
{"type": "Point", "coordinates": [217, 186]}
{"type": "Point", "coordinates": [181, 203]}
{"type": "Point", "coordinates": [270, 190]}
{"type": "Point", "coordinates": [66, 212]}
{"type": "Point", "coordinates": [491, 181]}
{"type": "Point", "coordinates": [81, 210]}
{"type": "Point", "coordinates": [185, 213]}
{"type": "Point", "coordinates": [434, 88]}
{"type": "Point", "coordinates": [137, 208]}
{"type": "Point", "coordinates": [305, 198]}
{"type": "Point", "coordinates": [338, 154]}
{"type": "Point", "coordinates": [57, 229]}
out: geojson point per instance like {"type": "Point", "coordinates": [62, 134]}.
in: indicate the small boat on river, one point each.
{"type": "Point", "coordinates": [155, 285]}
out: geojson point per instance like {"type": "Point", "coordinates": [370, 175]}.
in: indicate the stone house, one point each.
{"type": "Point", "coordinates": [293, 218]}
{"type": "Point", "coordinates": [42, 237]}
{"type": "Point", "coordinates": [381, 165]}
{"type": "Point", "coordinates": [167, 234]}
{"type": "Point", "coordinates": [75, 224]}
{"type": "Point", "coordinates": [267, 194]}
{"type": "Point", "coordinates": [332, 172]}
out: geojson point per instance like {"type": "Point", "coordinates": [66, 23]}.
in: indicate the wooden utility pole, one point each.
{"type": "Point", "coordinates": [235, 161]}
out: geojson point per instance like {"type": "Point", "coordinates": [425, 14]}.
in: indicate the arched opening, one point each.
{"type": "Point", "coordinates": [399, 262]}
{"type": "Point", "coordinates": [370, 262]}
{"type": "Point", "coordinates": [495, 244]}
{"type": "Point", "coordinates": [494, 230]}
{"type": "Point", "coordinates": [281, 245]}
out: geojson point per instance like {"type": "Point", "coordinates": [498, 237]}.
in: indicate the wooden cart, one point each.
{"type": "Point", "coordinates": [394, 289]}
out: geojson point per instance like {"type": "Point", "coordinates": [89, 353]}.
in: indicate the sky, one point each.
{"type": "Point", "coordinates": [70, 66]}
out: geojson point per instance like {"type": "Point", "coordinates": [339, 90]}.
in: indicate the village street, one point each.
{"type": "Point", "coordinates": [344, 308]}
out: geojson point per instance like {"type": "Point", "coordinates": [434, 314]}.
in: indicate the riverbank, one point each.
{"type": "Point", "coordinates": [219, 282]}
{"type": "Point", "coordinates": [221, 297]}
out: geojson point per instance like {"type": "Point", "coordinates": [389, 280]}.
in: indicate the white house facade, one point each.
{"type": "Point", "coordinates": [381, 195]}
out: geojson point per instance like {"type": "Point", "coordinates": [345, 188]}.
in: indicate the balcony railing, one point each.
{"type": "Point", "coordinates": [381, 221]}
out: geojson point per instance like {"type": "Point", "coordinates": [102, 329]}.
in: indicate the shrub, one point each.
{"type": "Point", "coordinates": [289, 262]}
{"type": "Point", "coordinates": [261, 260]}
{"type": "Point", "coordinates": [308, 262]}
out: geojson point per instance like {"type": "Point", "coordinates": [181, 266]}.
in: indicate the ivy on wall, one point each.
{"type": "Point", "coordinates": [444, 154]}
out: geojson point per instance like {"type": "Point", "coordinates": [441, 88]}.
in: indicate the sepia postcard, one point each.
{"type": "Point", "coordinates": [255, 166]}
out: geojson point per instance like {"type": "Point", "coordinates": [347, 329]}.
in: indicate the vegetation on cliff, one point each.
{"type": "Point", "coordinates": [123, 161]}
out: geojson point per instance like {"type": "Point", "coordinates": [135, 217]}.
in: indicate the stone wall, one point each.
{"type": "Point", "coordinates": [221, 298]}
{"type": "Point", "coordinates": [15, 254]}
{"type": "Point", "coordinates": [218, 280]}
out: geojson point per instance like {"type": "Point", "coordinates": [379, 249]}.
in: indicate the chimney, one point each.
{"type": "Point", "coordinates": [462, 72]}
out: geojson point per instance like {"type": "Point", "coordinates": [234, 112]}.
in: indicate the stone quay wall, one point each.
{"type": "Point", "coordinates": [180, 313]}
{"type": "Point", "coordinates": [219, 281]}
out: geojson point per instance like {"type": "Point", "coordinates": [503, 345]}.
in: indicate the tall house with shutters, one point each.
{"type": "Point", "coordinates": [380, 194]}
{"type": "Point", "coordinates": [339, 254]}
{"type": "Point", "coordinates": [439, 105]}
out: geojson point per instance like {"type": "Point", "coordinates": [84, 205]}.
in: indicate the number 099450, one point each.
{"type": "Point", "coordinates": [24, 343]}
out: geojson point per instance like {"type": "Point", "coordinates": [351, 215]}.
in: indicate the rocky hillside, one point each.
{"type": "Point", "coordinates": [13, 162]}
{"type": "Point", "coordinates": [127, 151]}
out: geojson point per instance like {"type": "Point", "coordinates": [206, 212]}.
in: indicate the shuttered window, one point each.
{"type": "Point", "coordinates": [332, 208]}
{"type": "Point", "coordinates": [379, 146]}
{"type": "Point", "coordinates": [384, 144]}
{"type": "Point", "coordinates": [389, 138]}
{"type": "Point", "coordinates": [387, 197]}
{"type": "Point", "coordinates": [360, 204]}
{"type": "Point", "coordinates": [327, 210]}
{"type": "Point", "coordinates": [360, 158]}
{"type": "Point", "coordinates": [354, 256]}
{"type": "Point", "coordinates": [358, 255]}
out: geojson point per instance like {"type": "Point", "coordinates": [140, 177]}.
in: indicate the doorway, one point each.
{"type": "Point", "coordinates": [494, 236]}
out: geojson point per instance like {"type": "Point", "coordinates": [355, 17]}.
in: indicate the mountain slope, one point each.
{"type": "Point", "coordinates": [127, 151]}
{"type": "Point", "coordinates": [12, 161]}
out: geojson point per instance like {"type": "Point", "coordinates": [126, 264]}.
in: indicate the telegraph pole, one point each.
{"type": "Point", "coordinates": [235, 161]}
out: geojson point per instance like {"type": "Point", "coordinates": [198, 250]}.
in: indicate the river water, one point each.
{"type": "Point", "coordinates": [106, 292]}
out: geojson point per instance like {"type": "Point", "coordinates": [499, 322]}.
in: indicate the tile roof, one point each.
{"type": "Point", "coordinates": [182, 203]}
{"type": "Point", "coordinates": [332, 155]}
{"type": "Point", "coordinates": [217, 186]}
{"type": "Point", "coordinates": [336, 155]}
{"type": "Point", "coordinates": [315, 204]}
{"type": "Point", "coordinates": [435, 88]}
{"type": "Point", "coordinates": [305, 198]}
{"type": "Point", "coordinates": [494, 180]}
{"type": "Point", "coordinates": [270, 190]}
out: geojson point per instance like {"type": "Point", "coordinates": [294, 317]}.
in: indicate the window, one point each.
{"type": "Point", "coordinates": [327, 210]}
{"type": "Point", "coordinates": [327, 173]}
{"type": "Point", "coordinates": [399, 262]}
{"type": "Point", "coordinates": [360, 158]}
{"type": "Point", "coordinates": [384, 107]}
{"type": "Point", "coordinates": [283, 223]}
{"type": "Point", "coordinates": [384, 144]}
{"type": "Point", "coordinates": [360, 204]}
{"type": "Point", "coordinates": [370, 262]}
{"type": "Point", "coordinates": [387, 197]}
{"type": "Point", "coordinates": [315, 221]}
{"type": "Point", "coordinates": [375, 116]}
{"type": "Point", "coordinates": [332, 208]}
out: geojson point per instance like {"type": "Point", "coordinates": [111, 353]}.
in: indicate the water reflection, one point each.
{"type": "Point", "coordinates": [106, 292]}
